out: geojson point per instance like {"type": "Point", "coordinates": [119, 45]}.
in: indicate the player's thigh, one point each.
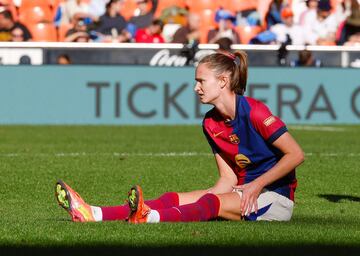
{"type": "Point", "coordinates": [191, 197]}
{"type": "Point", "coordinates": [271, 207]}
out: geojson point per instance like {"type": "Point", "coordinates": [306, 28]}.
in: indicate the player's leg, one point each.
{"type": "Point", "coordinates": [80, 211]}
{"type": "Point", "coordinates": [271, 206]}
{"type": "Point", "coordinates": [205, 208]}
{"type": "Point", "coordinates": [230, 206]}
{"type": "Point", "coordinates": [121, 212]}
{"type": "Point", "coordinates": [73, 203]}
{"type": "Point", "coordinates": [166, 200]}
{"type": "Point", "coordinates": [191, 197]}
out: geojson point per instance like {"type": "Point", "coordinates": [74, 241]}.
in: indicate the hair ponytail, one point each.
{"type": "Point", "coordinates": [239, 76]}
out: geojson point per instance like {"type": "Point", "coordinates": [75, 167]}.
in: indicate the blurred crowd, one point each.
{"type": "Point", "coordinates": [225, 22]}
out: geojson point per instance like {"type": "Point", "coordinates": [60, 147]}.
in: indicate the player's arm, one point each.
{"type": "Point", "coordinates": [293, 156]}
{"type": "Point", "coordinates": [227, 178]}
{"type": "Point", "coordinates": [154, 5]}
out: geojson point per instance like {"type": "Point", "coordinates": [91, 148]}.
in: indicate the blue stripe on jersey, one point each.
{"type": "Point", "coordinates": [252, 144]}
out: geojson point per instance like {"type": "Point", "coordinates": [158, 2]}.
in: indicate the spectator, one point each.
{"type": "Point", "coordinates": [298, 7]}
{"type": "Point", "coordinates": [351, 25]}
{"type": "Point", "coordinates": [144, 17]}
{"type": "Point", "coordinates": [189, 33]}
{"type": "Point", "coordinates": [342, 10]}
{"type": "Point", "coordinates": [152, 34]}
{"type": "Point", "coordinates": [7, 25]}
{"type": "Point", "coordinates": [287, 32]}
{"type": "Point", "coordinates": [78, 32]}
{"type": "Point", "coordinates": [225, 29]}
{"type": "Point", "coordinates": [310, 13]}
{"type": "Point", "coordinates": [306, 59]}
{"type": "Point", "coordinates": [273, 15]}
{"type": "Point", "coordinates": [17, 3]}
{"type": "Point", "coordinates": [97, 8]}
{"type": "Point", "coordinates": [7, 5]}
{"type": "Point", "coordinates": [81, 37]}
{"type": "Point", "coordinates": [175, 15]}
{"type": "Point", "coordinates": [17, 35]}
{"type": "Point", "coordinates": [63, 59]}
{"type": "Point", "coordinates": [224, 44]}
{"type": "Point", "coordinates": [322, 29]}
{"type": "Point", "coordinates": [112, 24]}
{"type": "Point", "coordinates": [72, 10]}
{"type": "Point", "coordinates": [25, 60]}
{"type": "Point", "coordinates": [354, 40]}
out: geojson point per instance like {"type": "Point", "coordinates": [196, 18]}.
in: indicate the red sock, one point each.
{"type": "Point", "coordinates": [121, 212]}
{"type": "Point", "coordinates": [206, 208]}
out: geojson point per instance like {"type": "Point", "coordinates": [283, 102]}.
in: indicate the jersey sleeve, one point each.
{"type": "Point", "coordinates": [270, 127]}
{"type": "Point", "coordinates": [215, 149]}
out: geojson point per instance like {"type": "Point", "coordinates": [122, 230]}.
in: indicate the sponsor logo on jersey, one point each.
{"type": "Point", "coordinates": [242, 161]}
{"type": "Point", "coordinates": [269, 121]}
{"type": "Point", "coordinates": [234, 139]}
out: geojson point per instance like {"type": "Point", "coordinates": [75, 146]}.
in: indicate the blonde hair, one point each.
{"type": "Point", "coordinates": [234, 63]}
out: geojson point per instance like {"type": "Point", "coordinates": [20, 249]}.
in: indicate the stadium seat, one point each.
{"type": "Point", "coordinates": [239, 5]}
{"type": "Point", "coordinates": [163, 4]}
{"type": "Point", "coordinates": [43, 32]}
{"type": "Point", "coordinates": [199, 5]}
{"type": "Point", "coordinates": [33, 3]}
{"type": "Point", "coordinates": [9, 5]}
{"type": "Point", "coordinates": [246, 33]}
{"type": "Point", "coordinates": [203, 34]}
{"type": "Point", "coordinates": [55, 3]}
{"type": "Point", "coordinates": [207, 18]}
{"type": "Point", "coordinates": [62, 30]}
{"type": "Point", "coordinates": [128, 8]}
{"type": "Point", "coordinates": [35, 14]}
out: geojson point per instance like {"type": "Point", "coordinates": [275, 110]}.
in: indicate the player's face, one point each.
{"type": "Point", "coordinates": [207, 84]}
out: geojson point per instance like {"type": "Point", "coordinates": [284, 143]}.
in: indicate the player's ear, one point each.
{"type": "Point", "coordinates": [224, 80]}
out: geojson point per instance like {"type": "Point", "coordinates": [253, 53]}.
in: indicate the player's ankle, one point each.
{"type": "Point", "coordinates": [96, 213]}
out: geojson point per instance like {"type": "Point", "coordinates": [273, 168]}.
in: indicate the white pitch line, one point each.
{"type": "Point", "coordinates": [153, 154]}
{"type": "Point", "coordinates": [116, 154]}
{"type": "Point", "coordinates": [316, 128]}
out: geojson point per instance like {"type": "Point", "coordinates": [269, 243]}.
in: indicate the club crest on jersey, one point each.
{"type": "Point", "coordinates": [242, 161]}
{"type": "Point", "coordinates": [234, 139]}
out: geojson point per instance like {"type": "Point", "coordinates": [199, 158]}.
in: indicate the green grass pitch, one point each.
{"type": "Point", "coordinates": [102, 162]}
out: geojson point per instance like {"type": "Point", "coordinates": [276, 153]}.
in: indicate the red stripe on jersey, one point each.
{"type": "Point", "coordinates": [293, 186]}
{"type": "Point", "coordinates": [218, 134]}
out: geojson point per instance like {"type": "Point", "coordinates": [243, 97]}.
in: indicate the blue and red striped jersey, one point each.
{"type": "Point", "coordinates": [246, 142]}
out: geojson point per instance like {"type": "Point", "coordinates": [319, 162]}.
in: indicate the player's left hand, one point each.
{"type": "Point", "coordinates": [250, 194]}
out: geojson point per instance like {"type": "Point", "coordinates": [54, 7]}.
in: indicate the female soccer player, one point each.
{"type": "Point", "coordinates": [255, 155]}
